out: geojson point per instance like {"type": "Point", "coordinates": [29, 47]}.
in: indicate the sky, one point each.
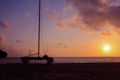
{"type": "Point", "coordinates": [69, 28]}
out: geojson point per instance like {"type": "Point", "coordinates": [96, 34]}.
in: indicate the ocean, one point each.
{"type": "Point", "coordinates": [65, 60]}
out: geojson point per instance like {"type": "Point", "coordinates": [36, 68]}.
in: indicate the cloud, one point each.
{"type": "Point", "coordinates": [15, 52]}
{"type": "Point", "coordinates": [2, 40]}
{"type": "Point", "coordinates": [72, 22]}
{"type": "Point", "coordinates": [107, 33]}
{"type": "Point", "coordinates": [60, 25]}
{"type": "Point", "coordinates": [65, 46]}
{"type": "Point", "coordinates": [52, 14]}
{"type": "Point", "coordinates": [61, 45]}
{"type": "Point", "coordinates": [28, 14]}
{"type": "Point", "coordinates": [5, 25]}
{"type": "Point", "coordinates": [67, 8]}
{"type": "Point", "coordinates": [95, 15]}
{"type": "Point", "coordinates": [19, 41]}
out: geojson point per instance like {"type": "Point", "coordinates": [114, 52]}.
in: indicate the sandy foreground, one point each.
{"type": "Point", "coordinates": [81, 71]}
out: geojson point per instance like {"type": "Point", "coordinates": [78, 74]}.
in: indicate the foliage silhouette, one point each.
{"type": "Point", "coordinates": [3, 54]}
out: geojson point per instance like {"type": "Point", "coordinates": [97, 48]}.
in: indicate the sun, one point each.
{"type": "Point", "coordinates": [106, 48]}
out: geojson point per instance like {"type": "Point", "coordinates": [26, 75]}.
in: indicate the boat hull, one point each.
{"type": "Point", "coordinates": [25, 60]}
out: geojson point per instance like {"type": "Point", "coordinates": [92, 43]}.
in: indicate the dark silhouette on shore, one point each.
{"type": "Point", "coordinates": [3, 54]}
{"type": "Point", "coordinates": [26, 59]}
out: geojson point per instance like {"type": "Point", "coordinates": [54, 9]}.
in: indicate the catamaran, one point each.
{"type": "Point", "coordinates": [26, 59]}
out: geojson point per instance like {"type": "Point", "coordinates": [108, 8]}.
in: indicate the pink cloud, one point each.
{"type": "Point", "coordinates": [72, 22]}
{"type": "Point", "coordinates": [60, 25]}
{"type": "Point", "coordinates": [67, 8]}
{"type": "Point", "coordinates": [94, 15]}
{"type": "Point", "coordinates": [19, 41]}
{"type": "Point", "coordinates": [50, 13]}
{"type": "Point", "coordinates": [61, 45]}
{"type": "Point", "coordinates": [15, 52]}
{"type": "Point", "coordinates": [2, 40]}
{"type": "Point", "coordinates": [5, 25]}
{"type": "Point", "coordinates": [28, 14]}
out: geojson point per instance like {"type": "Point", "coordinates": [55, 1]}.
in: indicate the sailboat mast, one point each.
{"type": "Point", "coordinates": [39, 8]}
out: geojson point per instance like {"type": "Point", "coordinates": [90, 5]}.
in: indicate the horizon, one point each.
{"type": "Point", "coordinates": [70, 28]}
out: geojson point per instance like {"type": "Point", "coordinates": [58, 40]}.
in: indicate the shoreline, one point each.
{"type": "Point", "coordinates": [61, 71]}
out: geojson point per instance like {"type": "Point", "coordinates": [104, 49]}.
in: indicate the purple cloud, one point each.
{"type": "Point", "coordinates": [5, 25]}
{"type": "Point", "coordinates": [95, 15]}
{"type": "Point", "coordinates": [19, 41]}
{"type": "Point", "coordinates": [2, 40]}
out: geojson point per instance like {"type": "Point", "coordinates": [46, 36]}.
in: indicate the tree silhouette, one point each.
{"type": "Point", "coordinates": [3, 54]}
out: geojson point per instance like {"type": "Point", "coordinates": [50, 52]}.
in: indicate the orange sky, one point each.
{"type": "Point", "coordinates": [70, 28]}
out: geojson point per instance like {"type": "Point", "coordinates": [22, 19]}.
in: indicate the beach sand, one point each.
{"type": "Point", "coordinates": [73, 71]}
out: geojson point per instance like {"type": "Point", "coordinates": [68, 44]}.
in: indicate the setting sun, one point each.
{"type": "Point", "coordinates": [106, 48]}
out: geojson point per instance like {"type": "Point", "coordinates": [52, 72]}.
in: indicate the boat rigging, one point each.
{"type": "Point", "coordinates": [26, 59]}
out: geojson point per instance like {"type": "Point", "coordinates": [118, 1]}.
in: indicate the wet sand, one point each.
{"type": "Point", "coordinates": [73, 71]}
